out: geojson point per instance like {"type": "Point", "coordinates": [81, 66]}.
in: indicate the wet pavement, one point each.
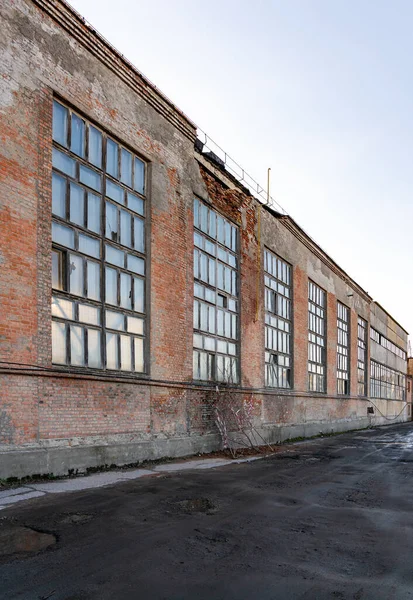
{"type": "Point", "coordinates": [328, 518]}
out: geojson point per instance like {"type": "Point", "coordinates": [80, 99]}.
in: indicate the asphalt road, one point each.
{"type": "Point", "coordinates": [330, 518]}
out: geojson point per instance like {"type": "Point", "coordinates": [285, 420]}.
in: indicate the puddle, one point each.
{"type": "Point", "coordinates": [18, 539]}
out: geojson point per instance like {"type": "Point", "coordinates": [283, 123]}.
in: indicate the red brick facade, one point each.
{"type": "Point", "coordinates": [72, 418]}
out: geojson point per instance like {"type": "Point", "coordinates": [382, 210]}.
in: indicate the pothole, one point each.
{"type": "Point", "coordinates": [197, 505]}
{"type": "Point", "coordinates": [21, 540]}
{"type": "Point", "coordinates": [76, 519]}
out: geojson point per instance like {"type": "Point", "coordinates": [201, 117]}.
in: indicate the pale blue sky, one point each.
{"type": "Point", "coordinates": [319, 90]}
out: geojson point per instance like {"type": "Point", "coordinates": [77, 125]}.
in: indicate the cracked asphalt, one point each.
{"type": "Point", "coordinates": [327, 518]}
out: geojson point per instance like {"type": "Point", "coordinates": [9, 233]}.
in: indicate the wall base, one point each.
{"type": "Point", "coordinates": [64, 460]}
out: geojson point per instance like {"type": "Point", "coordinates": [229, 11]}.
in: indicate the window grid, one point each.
{"type": "Point", "coordinates": [386, 343]}
{"type": "Point", "coordinates": [343, 349]}
{"type": "Point", "coordinates": [361, 357]}
{"type": "Point", "coordinates": [386, 383]}
{"type": "Point", "coordinates": [98, 256]}
{"type": "Point", "coordinates": [216, 304]}
{"type": "Point", "coordinates": [316, 338]}
{"type": "Point", "coordinates": [278, 310]}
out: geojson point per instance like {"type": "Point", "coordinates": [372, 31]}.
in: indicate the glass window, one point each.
{"type": "Point", "coordinates": [278, 345]}
{"type": "Point", "coordinates": [78, 263]}
{"type": "Point", "coordinates": [316, 338]}
{"type": "Point", "coordinates": [343, 349]}
{"type": "Point", "coordinates": [214, 359]}
{"type": "Point", "coordinates": [361, 357]}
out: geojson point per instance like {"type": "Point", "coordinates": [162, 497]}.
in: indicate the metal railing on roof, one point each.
{"type": "Point", "coordinates": [230, 165]}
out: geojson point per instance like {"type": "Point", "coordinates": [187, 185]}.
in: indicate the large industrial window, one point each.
{"type": "Point", "coordinates": [316, 338]}
{"type": "Point", "coordinates": [98, 256]}
{"type": "Point", "coordinates": [216, 302]}
{"type": "Point", "coordinates": [361, 356]}
{"type": "Point", "coordinates": [277, 321]}
{"type": "Point", "coordinates": [386, 383]}
{"type": "Point", "coordinates": [343, 349]}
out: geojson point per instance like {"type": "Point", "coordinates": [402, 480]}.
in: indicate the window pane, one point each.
{"type": "Point", "coordinates": [94, 348]}
{"type": "Point", "coordinates": [115, 320]}
{"type": "Point", "coordinates": [125, 290]}
{"type": "Point", "coordinates": [139, 231]}
{"type": "Point", "coordinates": [115, 192]}
{"type": "Point", "coordinates": [60, 119]}
{"type": "Point", "coordinates": [136, 264]}
{"type": "Point", "coordinates": [136, 204]}
{"type": "Point", "coordinates": [65, 309]}
{"type": "Point", "coordinates": [112, 158]}
{"type": "Point", "coordinates": [93, 280]}
{"type": "Point", "coordinates": [111, 286]}
{"type": "Point", "coordinates": [93, 212]}
{"type": "Point", "coordinates": [57, 270]}
{"type": "Point", "coordinates": [112, 358]}
{"type": "Point", "coordinates": [111, 222]}
{"type": "Point", "coordinates": [89, 314]}
{"type": "Point", "coordinates": [115, 256]}
{"type": "Point", "coordinates": [126, 167]}
{"type": "Point", "coordinates": [76, 275]}
{"type": "Point", "coordinates": [126, 353]}
{"type": "Point", "coordinates": [77, 144]}
{"type": "Point", "coordinates": [59, 343]}
{"type": "Point", "coordinates": [139, 302]}
{"type": "Point", "coordinates": [95, 147]}
{"type": "Point", "coordinates": [90, 178]}
{"type": "Point", "coordinates": [77, 204]}
{"type": "Point", "coordinates": [125, 228]}
{"type": "Point", "coordinates": [139, 178]}
{"type": "Point", "coordinates": [59, 196]}
{"type": "Point", "coordinates": [63, 162]}
{"type": "Point", "coordinates": [77, 345]}
{"type": "Point", "coordinates": [139, 362]}
{"type": "Point", "coordinates": [135, 325]}
{"type": "Point", "coordinates": [63, 235]}
{"type": "Point", "coordinates": [89, 245]}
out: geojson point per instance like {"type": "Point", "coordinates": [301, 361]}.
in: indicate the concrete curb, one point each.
{"type": "Point", "coordinates": [28, 492]}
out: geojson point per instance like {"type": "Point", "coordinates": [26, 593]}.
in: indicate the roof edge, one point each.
{"type": "Point", "coordinates": [85, 34]}
{"type": "Point", "coordinates": [391, 316]}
